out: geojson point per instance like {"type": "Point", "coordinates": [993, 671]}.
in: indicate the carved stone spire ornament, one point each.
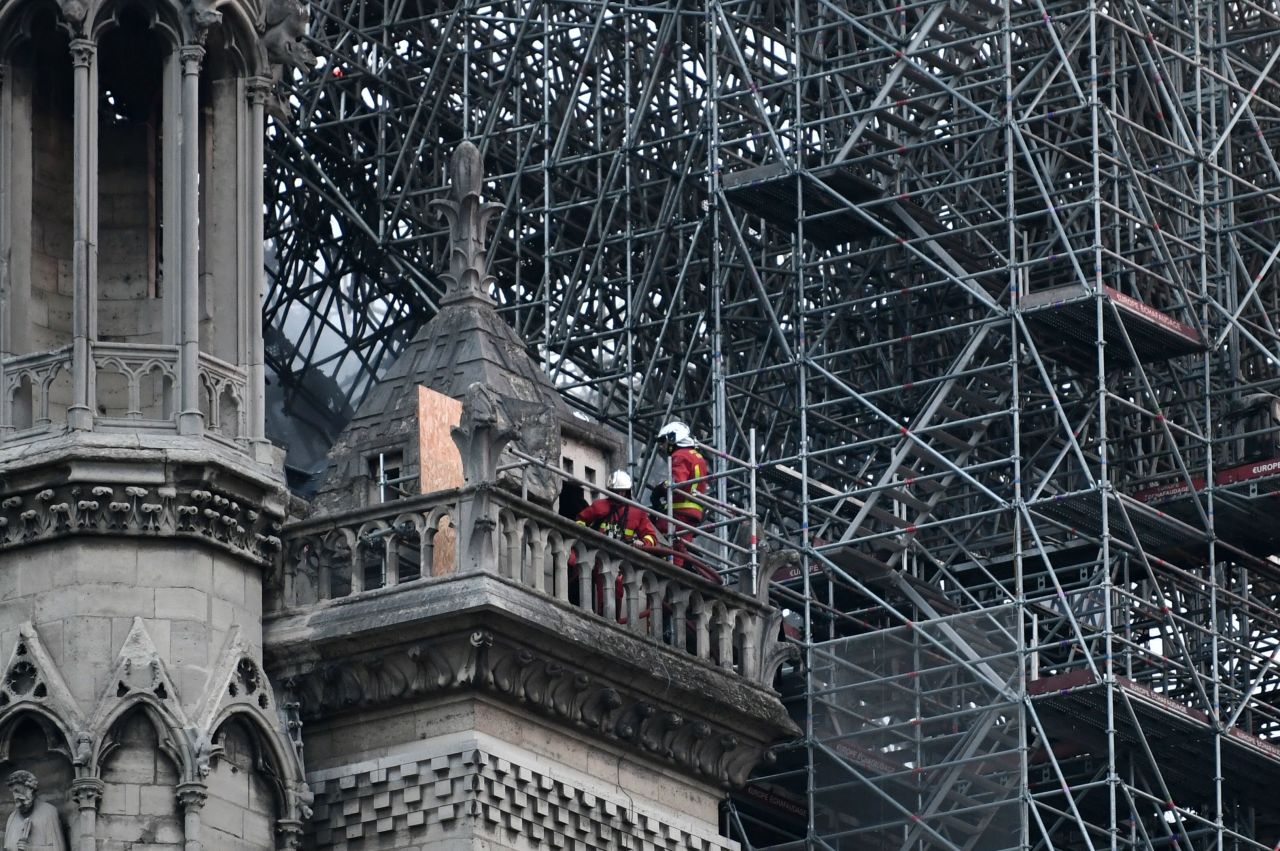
{"type": "Point", "coordinates": [468, 276]}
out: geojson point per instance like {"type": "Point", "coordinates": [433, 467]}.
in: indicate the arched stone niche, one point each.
{"type": "Point", "coordinates": [245, 791]}
{"type": "Point", "coordinates": [30, 742]}
{"type": "Point", "coordinates": [226, 196]}
{"type": "Point", "coordinates": [140, 779]}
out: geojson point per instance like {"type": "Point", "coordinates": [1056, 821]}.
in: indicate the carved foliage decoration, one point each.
{"type": "Point", "coordinates": [469, 216]}
{"type": "Point", "coordinates": [481, 660]}
{"type": "Point", "coordinates": [134, 510]}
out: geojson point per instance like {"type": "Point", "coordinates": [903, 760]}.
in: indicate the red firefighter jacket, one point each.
{"type": "Point", "coordinates": [687, 464]}
{"type": "Point", "coordinates": [625, 522]}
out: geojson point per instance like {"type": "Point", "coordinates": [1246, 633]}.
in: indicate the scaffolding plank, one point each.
{"type": "Point", "coordinates": [1065, 319]}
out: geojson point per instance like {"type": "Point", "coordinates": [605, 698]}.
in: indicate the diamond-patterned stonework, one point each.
{"type": "Point", "coordinates": [396, 802]}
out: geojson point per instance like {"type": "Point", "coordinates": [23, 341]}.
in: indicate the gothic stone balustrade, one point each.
{"type": "Point", "coordinates": [413, 541]}
{"type": "Point", "coordinates": [134, 387]}
{"type": "Point", "coordinates": [383, 605]}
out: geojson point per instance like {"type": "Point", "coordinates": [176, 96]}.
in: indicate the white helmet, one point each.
{"type": "Point", "coordinates": [619, 481]}
{"type": "Point", "coordinates": [676, 432]}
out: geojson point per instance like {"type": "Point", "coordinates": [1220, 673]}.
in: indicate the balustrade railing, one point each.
{"type": "Point", "coordinates": [37, 391]}
{"type": "Point", "coordinates": [414, 542]}
{"type": "Point", "coordinates": [134, 384]}
{"type": "Point", "coordinates": [223, 390]}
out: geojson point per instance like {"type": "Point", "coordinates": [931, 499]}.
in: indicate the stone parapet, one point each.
{"type": "Point", "coordinates": [410, 544]}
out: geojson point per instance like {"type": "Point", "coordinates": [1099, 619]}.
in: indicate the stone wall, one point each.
{"type": "Point", "coordinates": [221, 258]}
{"type": "Point", "coordinates": [51, 204]}
{"type": "Point", "coordinates": [241, 811]}
{"type": "Point", "coordinates": [467, 770]}
{"type": "Point", "coordinates": [460, 790]}
{"type": "Point", "coordinates": [82, 595]}
{"type": "Point", "coordinates": [128, 307]}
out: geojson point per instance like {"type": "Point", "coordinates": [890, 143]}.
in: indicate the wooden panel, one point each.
{"type": "Point", "coordinates": [445, 556]}
{"type": "Point", "coordinates": [439, 465]}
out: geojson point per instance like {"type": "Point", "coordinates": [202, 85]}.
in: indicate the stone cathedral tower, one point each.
{"type": "Point", "coordinates": [166, 630]}
{"type": "Point", "coordinates": [139, 501]}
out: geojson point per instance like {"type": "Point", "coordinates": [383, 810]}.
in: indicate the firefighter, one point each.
{"type": "Point", "coordinates": [688, 472]}
{"type": "Point", "coordinates": [617, 519]}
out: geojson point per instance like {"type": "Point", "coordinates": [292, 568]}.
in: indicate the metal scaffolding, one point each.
{"type": "Point", "coordinates": [993, 285]}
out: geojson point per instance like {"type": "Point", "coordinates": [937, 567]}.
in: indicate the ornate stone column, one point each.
{"type": "Point", "coordinates": [6, 240]}
{"type": "Point", "coordinates": [191, 797]}
{"type": "Point", "coordinates": [256, 90]}
{"type": "Point", "coordinates": [190, 420]}
{"type": "Point", "coordinates": [86, 792]}
{"type": "Point", "coordinates": [84, 186]}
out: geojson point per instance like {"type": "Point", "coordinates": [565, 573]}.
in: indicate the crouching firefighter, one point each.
{"type": "Point", "coordinates": [620, 521]}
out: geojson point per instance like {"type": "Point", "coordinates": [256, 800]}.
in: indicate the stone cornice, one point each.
{"type": "Point", "coordinates": [379, 621]}
{"type": "Point", "coordinates": [165, 488]}
{"type": "Point", "coordinates": [705, 744]}
{"type": "Point", "coordinates": [84, 455]}
{"type": "Point", "coordinates": [181, 511]}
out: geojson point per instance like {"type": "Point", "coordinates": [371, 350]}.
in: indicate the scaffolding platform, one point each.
{"type": "Point", "coordinates": [1244, 506]}
{"type": "Point", "coordinates": [1066, 316]}
{"type": "Point", "coordinates": [1073, 706]}
{"type": "Point", "coordinates": [769, 191]}
{"type": "Point", "coordinates": [1157, 530]}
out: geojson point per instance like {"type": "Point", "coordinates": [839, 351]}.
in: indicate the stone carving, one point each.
{"type": "Point", "coordinates": [525, 415]}
{"type": "Point", "coordinates": [774, 651]}
{"type": "Point", "coordinates": [285, 25]}
{"type": "Point", "coordinates": [34, 824]}
{"type": "Point", "coordinates": [489, 423]}
{"type": "Point", "coordinates": [32, 678]}
{"type": "Point", "coordinates": [140, 672]}
{"type": "Point", "coordinates": [204, 15]}
{"type": "Point", "coordinates": [483, 432]}
{"type": "Point", "coordinates": [468, 216]}
{"type": "Point", "coordinates": [480, 660]}
{"type": "Point", "coordinates": [238, 685]}
{"type": "Point", "coordinates": [163, 511]}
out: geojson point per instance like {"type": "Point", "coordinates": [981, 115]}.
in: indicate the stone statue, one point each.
{"type": "Point", "coordinates": [34, 824]}
{"type": "Point", "coordinates": [285, 25]}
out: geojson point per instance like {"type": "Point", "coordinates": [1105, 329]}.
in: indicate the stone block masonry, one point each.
{"type": "Point", "coordinates": [470, 788]}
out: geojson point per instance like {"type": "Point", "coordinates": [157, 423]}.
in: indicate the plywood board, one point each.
{"type": "Point", "coordinates": [439, 464]}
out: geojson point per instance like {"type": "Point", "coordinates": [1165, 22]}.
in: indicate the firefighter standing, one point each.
{"type": "Point", "coordinates": [688, 472]}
